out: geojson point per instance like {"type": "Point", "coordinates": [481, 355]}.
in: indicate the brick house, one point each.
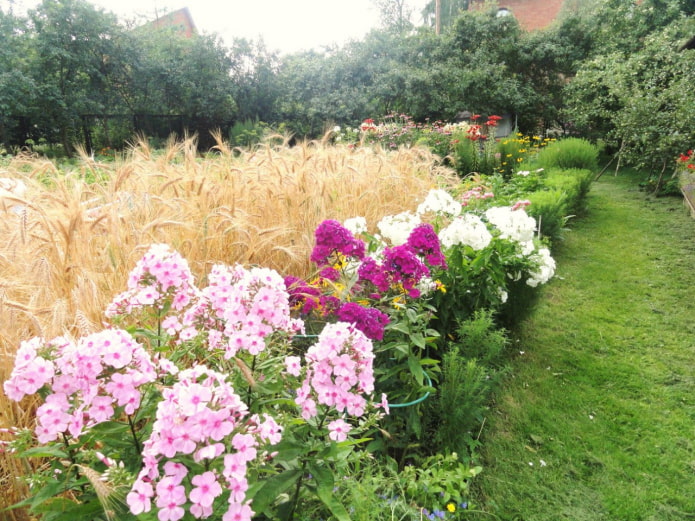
{"type": "Point", "coordinates": [531, 14]}
{"type": "Point", "coordinates": [180, 20]}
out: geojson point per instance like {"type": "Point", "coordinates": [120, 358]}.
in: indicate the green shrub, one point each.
{"type": "Point", "coordinates": [470, 371]}
{"type": "Point", "coordinates": [575, 183]}
{"type": "Point", "coordinates": [247, 133]}
{"type": "Point", "coordinates": [473, 156]}
{"type": "Point", "coordinates": [549, 208]}
{"type": "Point", "coordinates": [569, 153]}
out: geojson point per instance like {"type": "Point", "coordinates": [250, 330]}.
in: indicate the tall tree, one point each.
{"type": "Point", "coordinates": [17, 89]}
{"type": "Point", "coordinates": [75, 49]}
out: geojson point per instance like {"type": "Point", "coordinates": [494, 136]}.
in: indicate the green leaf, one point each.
{"type": "Point", "coordinates": [416, 369]}
{"type": "Point", "coordinates": [272, 487]}
{"type": "Point", "coordinates": [324, 490]}
{"type": "Point", "coordinates": [49, 451]}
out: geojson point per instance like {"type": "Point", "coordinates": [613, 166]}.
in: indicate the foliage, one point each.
{"type": "Point", "coordinates": [471, 370]}
{"type": "Point", "coordinates": [640, 101]}
{"type": "Point", "coordinates": [569, 153]}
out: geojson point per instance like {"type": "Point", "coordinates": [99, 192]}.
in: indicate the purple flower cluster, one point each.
{"type": "Point", "coordinates": [401, 266]}
{"type": "Point", "coordinates": [370, 321]}
{"type": "Point", "coordinates": [303, 296]}
{"type": "Point", "coordinates": [333, 239]}
{"type": "Point", "coordinates": [88, 382]}
{"type": "Point", "coordinates": [202, 417]}
{"type": "Point", "coordinates": [423, 240]}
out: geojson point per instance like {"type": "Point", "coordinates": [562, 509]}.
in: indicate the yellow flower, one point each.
{"type": "Point", "coordinates": [439, 286]}
{"type": "Point", "coordinates": [451, 507]}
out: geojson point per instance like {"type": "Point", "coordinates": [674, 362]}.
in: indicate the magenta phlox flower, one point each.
{"type": "Point", "coordinates": [302, 296]}
{"type": "Point", "coordinates": [370, 321]}
{"type": "Point", "coordinates": [332, 239]}
{"type": "Point", "coordinates": [423, 240]}
{"type": "Point", "coordinates": [404, 267]}
{"type": "Point", "coordinates": [161, 277]}
{"type": "Point", "coordinates": [371, 271]}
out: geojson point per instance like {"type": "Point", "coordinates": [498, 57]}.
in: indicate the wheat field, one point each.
{"type": "Point", "coordinates": [70, 241]}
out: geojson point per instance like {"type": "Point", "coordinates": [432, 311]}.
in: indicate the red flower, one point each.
{"type": "Point", "coordinates": [475, 117]}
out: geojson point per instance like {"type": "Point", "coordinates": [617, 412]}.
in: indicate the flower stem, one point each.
{"type": "Point", "coordinates": [295, 498]}
{"type": "Point", "coordinates": [138, 447]}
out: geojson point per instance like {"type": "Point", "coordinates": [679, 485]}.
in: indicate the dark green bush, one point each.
{"type": "Point", "coordinates": [569, 153]}
{"type": "Point", "coordinates": [575, 183]}
{"type": "Point", "coordinates": [549, 208]}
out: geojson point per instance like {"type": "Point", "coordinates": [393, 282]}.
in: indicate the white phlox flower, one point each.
{"type": "Point", "coordinates": [516, 224]}
{"type": "Point", "coordinates": [439, 202]}
{"type": "Point", "coordinates": [467, 229]}
{"type": "Point", "coordinates": [545, 270]}
{"type": "Point", "coordinates": [397, 228]}
{"type": "Point", "coordinates": [356, 225]}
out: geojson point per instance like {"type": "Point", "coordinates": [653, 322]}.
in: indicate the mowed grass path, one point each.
{"type": "Point", "coordinates": [597, 420]}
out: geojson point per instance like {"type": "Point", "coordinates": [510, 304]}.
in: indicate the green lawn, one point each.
{"type": "Point", "coordinates": [597, 419]}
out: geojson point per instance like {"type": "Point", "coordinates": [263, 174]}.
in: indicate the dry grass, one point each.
{"type": "Point", "coordinates": [68, 246]}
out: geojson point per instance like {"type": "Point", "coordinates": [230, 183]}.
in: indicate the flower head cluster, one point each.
{"type": "Point", "coordinates": [475, 193]}
{"type": "Point", "coordinates": [338, 373]}
{"type": "Point", "coordinates": [423, 240]}
{"type": "Point", "coordinates": [370, 321]}
{"type": "Point", "coordinates": [161, 276]}
{"type": "Point", "coordinates": [687, 160]}
{"type": "Point", "coordinates": [397, 228]}
{"type": "Point", "coordinates": [238, 309]}
{"type": "Point", "coordinates": [439, 202]}
{"type": "Point", "coordinates": [467, 229]}
{"type": "Point", "coordinates": [545, 270]}
{"type": "Point", "coordinates": [87, 382]}
{"type": "Point", "coordinates": [201, 417]}
{"type": "Point", "coordinates": [332, 239]}
{"type": "Point", "coordinates": [516, 224]}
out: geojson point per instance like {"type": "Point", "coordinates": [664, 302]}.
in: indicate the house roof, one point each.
{"type": "Point", "coordinates": [181, 20]}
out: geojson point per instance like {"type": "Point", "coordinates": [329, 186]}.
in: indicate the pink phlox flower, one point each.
{"type": "Point", "coordinates": [293, 365]}
{"type": "Point", "coordinates": [268, 429]}
{"type": "Point", "coordinates": [384, 404]}
{"type": "Point", "coordinates": [139, 497]}
{"type": "Point", "coordinates": [338, 430]}
{"type": "Point", "coordinates": [193, 398]}
{"type": "Point", "coordinates": [206, 489]}
{"type": "Point", "coordinates": [234, 466]}
{"type": "Point", "coordinates": [209, 452]}
{"type": "Point", "coordinates": [237, 489]}
{"type": "Point", "coordinates": [238, 512]}
{"type": "Point", "coordinates": [121, 388]}
{"type": "Point", "coordinates": [101, 409]}
{"type": "Point", "coordinates": [169, 490]}
{"type": "Point", "coordinates": [245, 444]}
{"type": "Point", "coordinates": [175, 470]}
{"type": "Point", "coordinates": [221, 424]}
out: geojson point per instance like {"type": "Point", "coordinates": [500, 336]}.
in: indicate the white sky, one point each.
{"type": "Point", "coordinates": [284, 25]}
